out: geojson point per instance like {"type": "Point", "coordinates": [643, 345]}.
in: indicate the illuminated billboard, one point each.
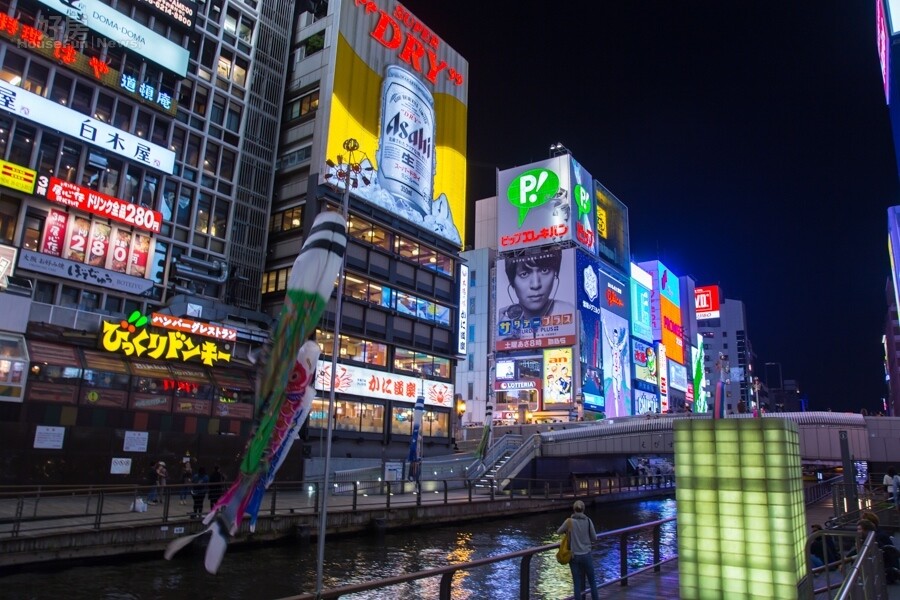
{"type": "Point", "coordinates": [125, 32]}
{"type": "Point", "coordinates": [181, 12]}
{"type": "Point", "coordinates": [641, 322]}
{"type": "Point", "coordinates": [534, 300]}
{"type": "Point", "coordinates": [663, 362]}
{"type": "Point", "coordinates": [678, 376]}
{"type": "Point", "coordinates": [370, 383]}
{"type": "Point", "coordinates": [672, 330]}
{"type": "Point", "coordinates": [706, 302]}
{"type": "Point", "coordinates": [519, 373]}
{"type": "Point", "coordinates": [894, 248]}
{"type": "Point", "coordinates": [883, 43]}
{"type": "Point", "coordinates": [557, 376]}
{"type": "Point", "coordinates": [645, 363]}
{"type": "Point", "coordinates": [699, 377]}
{"type": "Point", "coordinates": [462, 325]}
{"type": "Point", "coordinates": [48, 113]}
{"type": "Point", "coordinates": [402, 93]}
{"type": "Point", "coordinates": [645, 402]}
{"type": "Point", "coordinates": [616, 366]}
{"type": "Point", "coordinates": [583, 205]}
{"type": "Point", "coordinates": [613, 243]}
{"type": "Point", "coordinates": [534, 204]}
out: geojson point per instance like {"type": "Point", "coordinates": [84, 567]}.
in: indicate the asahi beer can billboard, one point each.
{"type": "Point", "coordinates": [402, 93]}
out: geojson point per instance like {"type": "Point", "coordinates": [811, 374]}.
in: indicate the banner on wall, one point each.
{"type": "Point", "coordinates": [645, 363]}
{"type": "Point", "coordinates": [617, 367]}
{"type": "Point", "coordinates": [557, 376]}
{"type": "Point", "coordinates": [359, 381]}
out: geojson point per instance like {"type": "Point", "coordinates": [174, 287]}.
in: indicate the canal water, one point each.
{"type": "Point", "coordinates": [288, 569]}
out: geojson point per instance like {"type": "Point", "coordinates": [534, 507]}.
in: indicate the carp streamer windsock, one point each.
{"type": "Point", "coordinates": [285, 390]}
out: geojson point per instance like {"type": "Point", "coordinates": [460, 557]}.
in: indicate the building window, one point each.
{"type": "Point", "coordinates": [353, 348]}
{"type": "Point", "coordinates": [275, 281]}
{"type": "Point", "coordinates": [302, 106]}
{"type": "Point", "coordinates": [286, 220]}
{"type": "Point", "coordinates": [311, 45]}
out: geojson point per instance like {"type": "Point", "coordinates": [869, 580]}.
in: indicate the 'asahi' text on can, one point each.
{"type": "Point", "coordinates": [406, 160]}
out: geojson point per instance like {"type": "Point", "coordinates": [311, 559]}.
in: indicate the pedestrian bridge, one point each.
{"type": "Point", "coordinates": [873, 439]}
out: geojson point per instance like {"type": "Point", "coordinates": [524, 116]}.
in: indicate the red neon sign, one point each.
{"type": "Point", "coordinates": [88, 200]}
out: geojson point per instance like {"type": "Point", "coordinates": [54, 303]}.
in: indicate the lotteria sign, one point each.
{"type": "Point", "coordinates": [24, 104]}
{"type": "Point", "coordinates": [125, 32]}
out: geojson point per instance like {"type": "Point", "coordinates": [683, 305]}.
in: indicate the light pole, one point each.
{"type": "Point", "coordinates": [347, 174]}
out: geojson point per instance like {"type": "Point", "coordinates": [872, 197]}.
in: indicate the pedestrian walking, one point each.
{"type": "Point", "coordinates": [582, 536]}
{"type": "Point", "coordinates": [200, 483]}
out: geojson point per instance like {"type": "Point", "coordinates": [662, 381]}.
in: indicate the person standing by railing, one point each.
{"type": "Point", "coordinates": [153, 482]}
{"type": "Point", "coordinates": [582, 536]}
{"type": "Point", "coordinates": [199, 486]}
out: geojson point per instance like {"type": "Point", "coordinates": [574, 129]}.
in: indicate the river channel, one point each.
{"type": "Point", "coordinates": [287, 569]}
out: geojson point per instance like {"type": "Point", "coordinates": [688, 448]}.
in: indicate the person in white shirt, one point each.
{"type": "Point", "coordinates": [888, 482]}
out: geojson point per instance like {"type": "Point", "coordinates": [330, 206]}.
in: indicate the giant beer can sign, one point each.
{"type": "Point", "coordinates": [406, 158]}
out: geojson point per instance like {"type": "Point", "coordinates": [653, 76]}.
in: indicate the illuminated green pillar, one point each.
{"type": "Point", "coordinates": [741, 515]}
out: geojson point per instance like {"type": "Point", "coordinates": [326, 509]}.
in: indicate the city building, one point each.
{"type": "Point", "coordinates": [161, 164]}
{"type": "Point", "coordinates": [727, 352]}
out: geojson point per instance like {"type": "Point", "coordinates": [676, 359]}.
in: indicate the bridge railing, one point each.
{"type": "Point", "coordinates": [46, 510]}
{"type": "Point", "coordinates": [630, 564]}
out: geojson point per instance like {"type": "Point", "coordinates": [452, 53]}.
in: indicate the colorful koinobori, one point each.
{"type": "Point", "coordinates": [284, 386]}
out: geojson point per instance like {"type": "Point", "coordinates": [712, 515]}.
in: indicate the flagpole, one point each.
{"type": "Point", "coordinates": [344, 172]}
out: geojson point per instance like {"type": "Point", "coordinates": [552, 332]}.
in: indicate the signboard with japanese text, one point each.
{"type": "Point", "coordinates": [462, 329]}
{"type": "Point", "coordinates": [54, 235]}
{"type": "Point", "coordinates": [136, 340]}
{"type": "Point", "coordinates": [136, 441]}
{"type": "Point", "coordinates": [49, 437]}
{"type": "Point", "coordinates": [534, 204]}
{"type": "Point", "coordinates": [94, 202]}
{"type": "Point", "coordinates": [706, 302]}
{"type": "Point", "coordinates": [663, 377]}
{"type": "Point", "coordinates": [402, 92]}
{"type": "Point", "coordinates": [218, 332]}
{"type": "Point", "coordinates": [535, 300]}
{"type": "Point", "coordinates": [64, 52]}
{"type": "Point", "coordinates": [16, 177]}
{"type": "Point", "coordinates": [583, 207]}
{"type": "Point", "coordinates": [641, 320]}
{"type": "Point", "coordinates": [645, 363]}
{"type": "Point", "coordinates": [111, 252]}
{"type": "Point", "coordinates": [125, 32]}
{"type": "Point", "coordinates": [558, 370]}
{"type": "Point", "coordinates": [368, 383]}
{"type": "Point", "coordinates": [48, 113]}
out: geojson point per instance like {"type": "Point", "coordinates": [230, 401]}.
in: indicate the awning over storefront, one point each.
{"type": "Point", "coordinates": [104, 361]}
{"type": "Point", "coordinates": [234, 379]}
{"type": "Point", "coordinates": [53, 354]}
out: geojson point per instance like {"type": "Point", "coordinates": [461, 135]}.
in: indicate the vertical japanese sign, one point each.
{"type": "Point", "coordinates": [79, 235]}
{"type": "Point", "coordinates": [99, 244]}
{"type": "Point", "coordinates": [54, 233]}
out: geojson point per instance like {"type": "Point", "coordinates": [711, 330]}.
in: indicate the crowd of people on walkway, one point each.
{"type": "Point", "coordinates": [199, 485]}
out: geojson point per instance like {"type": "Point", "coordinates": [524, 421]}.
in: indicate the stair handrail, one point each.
{"type": "Point", "coordinates": [508, 443]}
{"type": "Point", "coordinates": [523, 455]}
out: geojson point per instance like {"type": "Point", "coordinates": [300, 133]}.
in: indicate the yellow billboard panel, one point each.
{"type": "Point", "coordinates": [16, 177]}
{"type": "Point", "coordinates": [402, 93]}
{"type": "Point", "coordinates": [672, 330]}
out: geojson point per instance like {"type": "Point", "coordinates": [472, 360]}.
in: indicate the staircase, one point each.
{"type": "Point", "coordinates": [484, 483]}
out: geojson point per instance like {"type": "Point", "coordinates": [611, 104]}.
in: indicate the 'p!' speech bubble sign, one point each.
{"type": "Point", "coordinates": [532, 189]}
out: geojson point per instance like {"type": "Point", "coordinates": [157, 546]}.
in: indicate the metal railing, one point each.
{"type": "Point", "coordinates": [524, 558]}
{"type": "Point", "coordinates": [45, 510]}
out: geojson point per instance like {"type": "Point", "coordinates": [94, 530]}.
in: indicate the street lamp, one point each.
{"type": "Point", "coordinates": [342, 175]}
{"type": "Point", "coordinates": [460, 410]}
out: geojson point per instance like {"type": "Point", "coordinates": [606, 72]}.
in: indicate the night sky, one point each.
{"type": "Point", "coordinates": [750, 141]}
